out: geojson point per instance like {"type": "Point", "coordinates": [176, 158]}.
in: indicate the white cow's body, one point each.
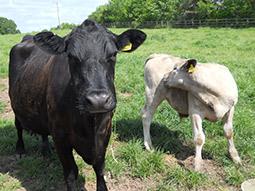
{"type": "Point", "coordinates": [209, 92]}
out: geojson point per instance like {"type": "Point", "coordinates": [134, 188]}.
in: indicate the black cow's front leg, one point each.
{"type": "Point", "coordinates": [70, 168]}
{"type": "Point", "coordinates": [99, 169]}
{"type": "Point", "coordinates": [102, 139]}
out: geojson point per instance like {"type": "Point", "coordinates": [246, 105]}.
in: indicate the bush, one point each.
{"type": "Point", "coordinates": [64, 26]}
{"type": "Point", "coordinates": [8, 26]}
{"type": "Point", "coordinates": [139, 11]}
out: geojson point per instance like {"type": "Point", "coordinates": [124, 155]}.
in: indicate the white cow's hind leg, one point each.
{"type": "Point", "coordinates": [147, 112]}
{"type": "Point", "coordinates": [146, 118]}
{"type": "Point", "coordinates": [228, 132]}
{"type": "Point", "coordinates": [199, 139]}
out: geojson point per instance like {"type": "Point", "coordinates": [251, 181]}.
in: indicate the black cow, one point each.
{"type": "Point", "coordinates": [64, 87]}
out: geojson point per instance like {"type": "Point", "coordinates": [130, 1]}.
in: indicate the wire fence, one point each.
{"type": "Point", "coordinates": [193, 23]}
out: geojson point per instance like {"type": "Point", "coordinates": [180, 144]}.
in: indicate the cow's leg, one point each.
{"type": "Point", "coordinates": [99, 170]}
{"type": "Point", "coordinates": [199, 139]}
{"type": "Point", "coordinates": [228, 132]}
{"type": "Point", "coordinates": [46, 150]}
{"type": "Point", "coordinates": [101, 142]}
{"type": "Point", "coordinates": [20, 148]}
{"type": "Point", "coordinates": [64, 151]}
{"type": "Point", "coordinates": [152, 102]}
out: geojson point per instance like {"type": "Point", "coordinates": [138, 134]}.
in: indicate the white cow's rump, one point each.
{"type": "Point", "coordinates": [192, 89]}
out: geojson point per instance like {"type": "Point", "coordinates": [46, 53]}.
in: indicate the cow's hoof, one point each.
{"type": "Point", "coordinates": [235, 157]}
{"type": "Point", "coordinates": [198, 163]}
{"type": "Point", "coordinates": [46, 150]}
{"type": "Point", "coordinates": [20, 149]}
{"type": "Point", "coordinates": [148, 146]}
{"type": "Point", "coordinates": [102, 188]}
{"type": "Point", "coordinates": [237, 160]}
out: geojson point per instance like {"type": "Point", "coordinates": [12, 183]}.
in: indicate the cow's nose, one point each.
{"type": "Point", "coordinates": [99, 101]}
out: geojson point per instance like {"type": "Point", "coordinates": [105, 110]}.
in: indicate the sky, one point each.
{"type": "Point", "coordinates": [36, 15]}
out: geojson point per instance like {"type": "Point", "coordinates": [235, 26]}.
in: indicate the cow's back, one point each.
{"type": "Point", "coordinates": [211, 88]}
{"type": "Point", "coordinates": [214, 86]}
{"type": "Point", "coordinates": [218, 80]}
{"type": "Point", "coordinates": [156, 66]}
{"type": "Point", "coordinates": [18, 55]}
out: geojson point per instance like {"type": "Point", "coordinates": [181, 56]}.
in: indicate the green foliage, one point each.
{"type": "Point", "coordinates": [101, 15]}
{"type": "Point", "coordinates": [64, 26]}
{"type": "Point", "coordinates": [2, 106]}
{"type": "Point", "coordinates": [8, 183]}
{"type": "Point", "coordinates": [141, 163]}
{"type": "Point", "coordinates": [178, 177]}
{"type": "Point", "coordinates": [8, 26]}
{"type": "Point", "coordinates": [136, 11]}
{"type": "Point", "coordinates": [139, 11]}
{"type": "Point", "coordinates": [225, 9]}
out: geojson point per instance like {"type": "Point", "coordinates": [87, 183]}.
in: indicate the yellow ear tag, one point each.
{"type": "Point", "coordinates": [191, 69]}
{"type": "Point", "coordinates": [127, 47]}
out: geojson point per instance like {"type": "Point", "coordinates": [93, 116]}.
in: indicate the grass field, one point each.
{"type": "Point", "coordinates": [128, 165]}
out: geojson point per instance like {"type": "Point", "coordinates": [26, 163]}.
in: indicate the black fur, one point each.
{"type": "Point", "coordinates": [64, 87]}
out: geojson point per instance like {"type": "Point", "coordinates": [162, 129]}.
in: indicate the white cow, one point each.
{"type": "Point", "coordinates": [201, 91]}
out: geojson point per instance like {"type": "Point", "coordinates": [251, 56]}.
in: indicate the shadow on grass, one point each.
{"type": "Point", "coordinates": [32, 170]}
{"type": "Point", "coordinates": [163, 138]}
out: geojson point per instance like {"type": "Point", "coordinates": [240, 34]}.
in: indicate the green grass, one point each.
{"type": "Point", "coordinates": [180, 178]}
{"type": "Point", "coordinates": [8, 183]}
{"type": "Point", "coordinates": [2, 106]}
{"type": "Point", "coordinates": [125, 156]}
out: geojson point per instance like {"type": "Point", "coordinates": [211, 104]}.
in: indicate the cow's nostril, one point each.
{"type": "Point", "coordinates": [108, 99]}
{"type": "Point", "coordinates": [98, 100]}
{"type": "Point", "coordinates": [88, 101]}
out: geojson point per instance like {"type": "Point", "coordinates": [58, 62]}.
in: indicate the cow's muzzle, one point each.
{"type": "Point", "coordinates": [99, 101]}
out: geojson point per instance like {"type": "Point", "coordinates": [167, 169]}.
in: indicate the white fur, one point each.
{"type": "Point", "coordinates": [208, 93]}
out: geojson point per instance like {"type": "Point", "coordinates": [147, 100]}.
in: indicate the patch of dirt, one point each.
{"type": "Point", "coordinates": [124, 183]}
{"type": "Point", "coordinates": [4, 97]}
{"type": "Point", "coordinates": [125, 94]}
{"type": "Point", "coordinates": [209, 167]}
{"type": "Point", "coordinates": [170, 160]}
{"type": "Point", "coordinates": [213, 170]}
{"type": "Point", "coordinates": [8, 163]}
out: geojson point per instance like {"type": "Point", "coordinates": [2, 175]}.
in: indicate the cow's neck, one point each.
{"type": "Point", "coordinates": [92, 131]}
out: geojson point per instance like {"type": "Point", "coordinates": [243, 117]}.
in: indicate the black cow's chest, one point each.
{"type": "Point", "coordinates": [87, 134]}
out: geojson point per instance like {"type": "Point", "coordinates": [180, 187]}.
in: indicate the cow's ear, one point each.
{"type": "Point", "coordinates": [50, 43]}
{"type": "Point", "coordinates": [190, 65]}
{"type": "Point", "coordinates": [130, 40]}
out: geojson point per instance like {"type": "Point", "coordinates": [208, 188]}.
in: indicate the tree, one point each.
{"type": "Point", "coordinates": [102, 14]}
{"type": "Point", "coordinates": [135, 11]}
{"type": "Point", "coordinates": [8, 26]}
{"type": "Point", "coordinates": [139, 11]}
{"type": "Point", "coordinates": [64, 26]}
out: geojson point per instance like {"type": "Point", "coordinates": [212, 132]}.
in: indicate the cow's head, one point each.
{"type": "Point", "coordinates": [91, 51]}
{"type": "Point", "coordinates": [179, 74]}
